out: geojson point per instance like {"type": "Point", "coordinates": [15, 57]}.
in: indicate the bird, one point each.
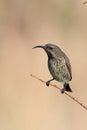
{"type": "Point", "coordinates": [59, 65]}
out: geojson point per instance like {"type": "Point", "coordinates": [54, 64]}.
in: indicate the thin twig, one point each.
{"type": "Point", "coordinates": [73, 98]}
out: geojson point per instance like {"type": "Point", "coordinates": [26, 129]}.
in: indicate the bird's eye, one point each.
{"type": "Point", "coordinates": [50, 48]}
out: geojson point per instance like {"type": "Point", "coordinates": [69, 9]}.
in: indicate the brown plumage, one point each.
{"type": "Point", "coordinates": [59, 65]}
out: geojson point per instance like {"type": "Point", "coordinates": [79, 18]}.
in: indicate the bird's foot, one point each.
{"type": "Point", "coordinates": [48, 83]}
{"type": "Point", "coordinates": [62, 90]}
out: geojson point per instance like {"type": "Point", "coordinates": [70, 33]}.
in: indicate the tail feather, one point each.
{"type": "Point", "coordinates": [67, 87]}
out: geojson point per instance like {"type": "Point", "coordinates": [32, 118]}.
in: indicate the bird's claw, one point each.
{"type": "Point", "coordinates": [48, 83]}
{"type": "Point", "coordinates": [62, 90]}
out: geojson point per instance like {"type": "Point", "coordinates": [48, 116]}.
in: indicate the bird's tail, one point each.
{"type": "Point", "coordinates": [67, 87]}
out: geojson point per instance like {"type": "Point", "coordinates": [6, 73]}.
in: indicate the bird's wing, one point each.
{"type": "Point", "coordinates": [68, 65]}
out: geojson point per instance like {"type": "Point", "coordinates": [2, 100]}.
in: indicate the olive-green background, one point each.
{"type": "Point", "coordinates": [26, 103]}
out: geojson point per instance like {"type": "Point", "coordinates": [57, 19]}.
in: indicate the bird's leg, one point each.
{"type": "Point", "coordinates": [48, 82]}
{"type": "Point", "coordinates": [63, 89]}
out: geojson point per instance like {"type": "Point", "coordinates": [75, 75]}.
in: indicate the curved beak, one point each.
{"type": "Point", "coordinates": [39, 47]}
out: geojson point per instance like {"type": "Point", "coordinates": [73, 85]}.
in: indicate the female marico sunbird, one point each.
{"type": "Point", "coordinates": [59, 65]}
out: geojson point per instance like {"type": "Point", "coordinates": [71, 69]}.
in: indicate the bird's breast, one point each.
{"type": "Point", "coordinates": [58, 69]}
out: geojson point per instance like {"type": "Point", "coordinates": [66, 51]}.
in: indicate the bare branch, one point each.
{"type": "Point", "coordinates": [73, 98]}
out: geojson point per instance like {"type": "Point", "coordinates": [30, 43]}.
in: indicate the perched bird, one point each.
{"type": "Point", "coordinates": [59, 66]}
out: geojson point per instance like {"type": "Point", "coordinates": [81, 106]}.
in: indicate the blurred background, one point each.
{"type": "Point", "coordinates": [26, 103]}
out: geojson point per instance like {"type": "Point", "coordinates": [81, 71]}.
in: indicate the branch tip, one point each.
{"type": "Point", "coordinates": [66, 93]}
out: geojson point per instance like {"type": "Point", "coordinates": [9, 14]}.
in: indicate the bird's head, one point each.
{"type": "Point", "coordinates": [51, 50]}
